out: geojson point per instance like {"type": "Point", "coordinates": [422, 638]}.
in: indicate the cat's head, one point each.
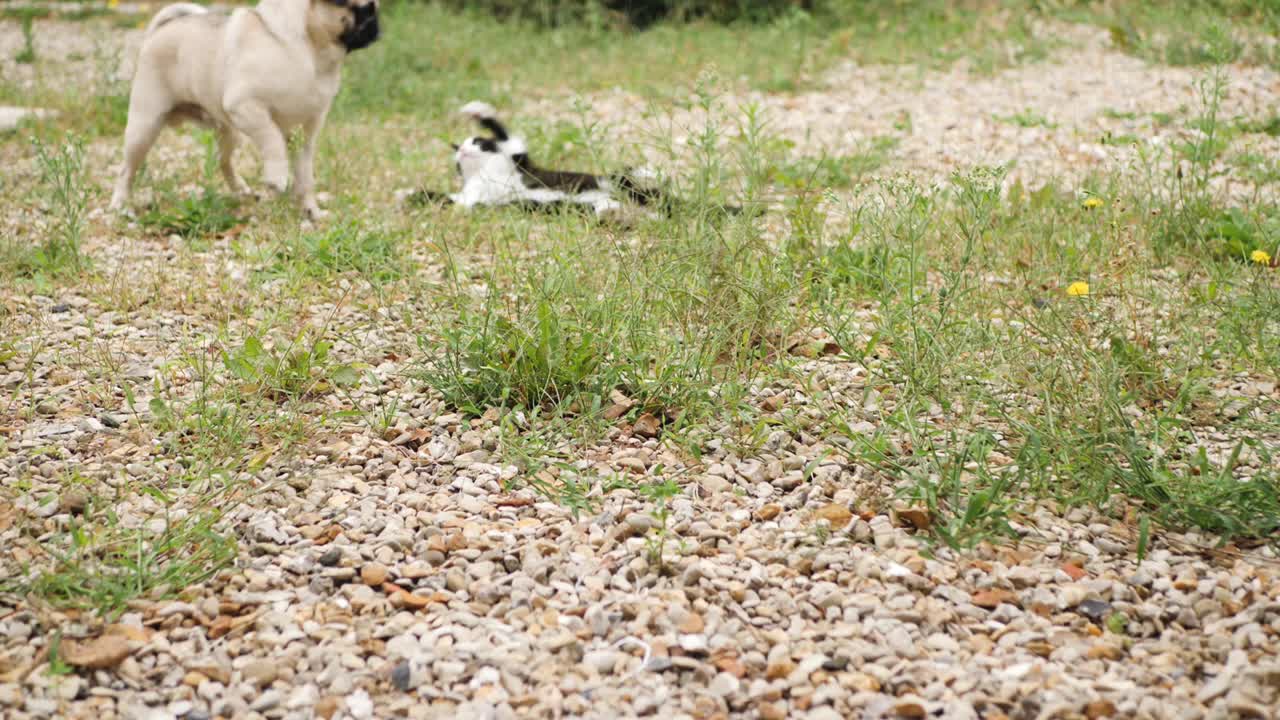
{"type": "Point", "coordinates": [500, 153]}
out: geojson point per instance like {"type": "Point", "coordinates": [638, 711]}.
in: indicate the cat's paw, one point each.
{"type": "Point", "coordinates": [478, 110]}
{"type": "Point", "coordinates": [610, 211]}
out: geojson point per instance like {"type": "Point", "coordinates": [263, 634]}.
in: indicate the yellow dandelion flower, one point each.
{"type": "Point", "coordinates": [1260, 256]}
{"type": "Point", "coordinates": [1093, 202]}
{"type": "Point", "coordinates": [113, 3]}
{"type": "Point", "coordinates": [1078, 288]}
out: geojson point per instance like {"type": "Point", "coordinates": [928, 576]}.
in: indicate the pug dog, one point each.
{"type": "Point", "coordinates": [261, 71]}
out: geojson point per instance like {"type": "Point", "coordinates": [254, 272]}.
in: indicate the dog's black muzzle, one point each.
{"type": "Point", "coordinates": [364, 28]}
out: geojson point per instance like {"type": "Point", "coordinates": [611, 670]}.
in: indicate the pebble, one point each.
{"type": "Point", "coordinates": [601, 661]}
{"type": "Point", "coordinates": [724, 685]}
{"type": "Point", "coordinates": [268, 700]}
{"type": "Point", "coordinates": [401, 676]}
{"type": "Point", "coordinates": [1095, 610]}
{"type": "Point", "coordinates": [260, 672]}
{"type": "Point", "coordinates": [373, 574]}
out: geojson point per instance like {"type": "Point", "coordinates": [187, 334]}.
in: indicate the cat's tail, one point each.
{"type": "Point", "coordinates": [169, 13]}
{"type": "Point", "coordinates": [487, 116]}
{"type": "Point", "coordinates": [642, 186]}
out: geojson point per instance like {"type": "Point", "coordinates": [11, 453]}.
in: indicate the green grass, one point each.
{"type": "Point", "coordinates": [1027, 119]}
{"type": "Point", "coordinates": [99, 565]}
{"type": "Point", "coordinates": [342, 248]}
{"type": "Point", "coordinates": [837, 172]}
{"type": "Point", "coordinates": [1187, 32]}
{"type": "Point", "coordinates": [197, 217]}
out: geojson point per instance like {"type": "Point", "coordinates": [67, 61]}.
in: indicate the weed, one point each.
{"type": "Point", "coordinates": [659, 494]}
{"type": "Point", "coordinates": [101, 565]}
{"type": "Point", "coordinates": [1119, 114]}
{"type": "Point", "coordinates": [199, 217]}
{"type": "Point", "coordinates": [493, 359]}
{"type": "Point", "coordinates": [342, 248]}
{"type": "Point", "coordinates": [1269, 126]}
{"type": "Point", "coordinates": [57, 666]}
{"type": "Point", "coordinates": [1027, 119]}
{"type": "Point", "coordinates": [294, 369]}
{"type": "Point", "coordinates": [62, 176]}
{"type": "Point", "coordinates": [27, 55]}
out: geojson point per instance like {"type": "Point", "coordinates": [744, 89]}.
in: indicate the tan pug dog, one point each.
{"type": "Point", "coordinates": [262, 71]}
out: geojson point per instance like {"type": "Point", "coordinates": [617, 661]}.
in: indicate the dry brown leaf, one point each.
{"type": "Point", "coordinates": [129, 632]}
{"type": "Point", "coordinates": [100, 653]}
{"type": "Point", "coordinates": [916, 517]}
{"type": "Point", "coordinates": [615, 411]}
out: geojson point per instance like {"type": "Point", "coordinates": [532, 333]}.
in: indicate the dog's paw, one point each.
{"type": "Point", "coordinates": [121, 209]}
{"type": "Point", "coordinates": [313, 213]}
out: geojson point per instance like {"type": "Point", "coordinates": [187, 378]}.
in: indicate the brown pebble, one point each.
{"type": "Point", "coordinates": [73, 501]}
{"type": "Point", "coordinates": [769, 512]}
{"type": "Point", "coordinates": [1105, 651]}
{"type": "Point", "coordinates": [692, 624]}
{"type": "Point", "coordinates": [836, 514]}
{"type": "Point", "coordinates": [1038, 647]}
{"type": "Point", "coordinates": [1099, 709]}
{"type": "Point", "coordinates": [771, 711]}
{"type": "Point", "coordinates": [409, 601]}
{"type": "Point", "coordinates": [647, 426]}
{"type": "Point", "coordinates": [910, 709]}
{"type": "Point", "coordinates": [779, 670]}
{"type": "Point", "coordinates": [991, 599]}
{"type": "Point", "coordinates": [327, 707]}
{"type": "Point", "coordinates": [373, 574]}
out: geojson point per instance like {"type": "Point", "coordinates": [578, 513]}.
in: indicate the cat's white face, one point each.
{"type": "Point", "coordinates": [474, 155]}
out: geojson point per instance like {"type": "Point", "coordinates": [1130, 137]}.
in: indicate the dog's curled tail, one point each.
{"type": "Point", "coordinates": [169, 13]}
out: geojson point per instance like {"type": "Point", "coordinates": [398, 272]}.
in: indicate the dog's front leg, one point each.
{"type": "Point", "coordinates": [228, 140]}
{"type": "Point", "coordinates": [145, 124]}
{"type": "Point", "coordinates": [304, 170]}
{"type": "Point", "coordinates": [254, 120]}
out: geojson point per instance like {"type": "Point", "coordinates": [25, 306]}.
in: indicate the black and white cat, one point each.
{"type": "Point", "coordinates": [498, 171]}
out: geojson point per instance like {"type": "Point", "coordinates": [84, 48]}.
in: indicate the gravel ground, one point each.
{"type": "Point", "coordinates": [390, 575]}
{"type": "Point", "coordinates": [1077, 111]}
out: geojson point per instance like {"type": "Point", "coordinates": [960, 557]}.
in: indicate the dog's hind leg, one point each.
{"type": "Point", "coordinates": [255, 121]}
{"type": "Point", "coordinates": [228, 141]}
{"type": "Point", "coordinates": [140, 134]}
